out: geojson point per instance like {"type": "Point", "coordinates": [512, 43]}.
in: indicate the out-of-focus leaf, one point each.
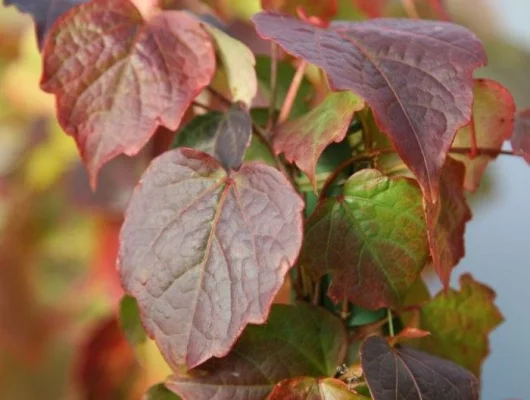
{"type": "Point", "coordinates": [324, 9]}
{"type": "Point", "coordinates": [375, 240]}
{"type": "Point", "coordinates": [126, 90]}
{"type": "Point", "coordinates": [401, 373]}
{"type": "Point", "coordinates": [300, 340]}
{"type": "Point", "coordinates": [369, 59]}
{"type": "Point", "coordinates": [493, 120]}
{"type": "Point", "coordinates": [304, 139]}
{"type": "Point", "coordinates": [446, 220]}
{"type": "Point", "coordinates": [460, 322]}
{"type": "Point", "coordinates": [521, 135]}
{"type": "Point", "coordinates": [204, 253]}
{"type": "Point", "coordinates": [305, 388]}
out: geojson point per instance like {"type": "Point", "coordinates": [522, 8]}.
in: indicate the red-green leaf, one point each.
{"type": "Point", "coordinates": [521, 135]}
{"type": "Point", "coordinates": [460, 322]}
{"type": "Point", "coordinates": [493, 121]}
{"type": "Point", "coordinates": [44, 12]}
{"type": "Point", "coordinates": [446, 220]}
{"type": "Point", "coordinates": [305, 388]}
{"type": "Point", "coordinates": [204, 253]}
{"type": "Point", "coordinates": [416, 76]}
{"type": "Point", "coordinates": [295, 341]}
{"type": "Point", "coordinates": [304, 139]}
{"type": "Point", "coordinates": [222, 135]}
{"type": "Point", "coordinates": [402, 373]}
{"type": "Point", "coordinates": [324, 9]}
{"type": "Point", "coordinates": [372, 239]}
{"type": "Point", "coordinates": [118, 77]}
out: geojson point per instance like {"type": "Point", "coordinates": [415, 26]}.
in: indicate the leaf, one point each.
{"type": "Point", "coordinates": [370, 59]}
{"type": "Point", "coordinates": [377, 8]}
{"type": "Point", "coordinates": [304, 139]}
{"type": "Point", "coordinates": [371, 8]}
{"type": "Point", "coordinates": [160, 392]}
{"type": "Point", "coordinates": [129, 318]}
{"type": "Point", "coordinates": [304, 388]}
{"type": "Point", "coordinates": [446, 221]}
{"type": "Point", "coordinates": [408, 374]}
{"type": "Point", "coordinates": [44, 12]}
{"type": "Point", "coordinates": [521, 135]}
{"type": "Point", "coordinates": [325, 9]}
{"type": "Point", "coordinates": [238, 62]}
{"type": "Point", "coordinates": [372, 239]}
{"type": "Point", "coordinates": [222, 135]}
{"type": "Point", "coordinates": [109, 70]}
{"type": "Point", "coordinates": [408, 333]}
{"type": "Point", "coordinates": [204, 253]}
{"type": "Point", "coordinates": [493, 119]}
{"type": "Point", "coordinates": [460, 322]}
{"type": "Point", "coordinates": [296, 340]}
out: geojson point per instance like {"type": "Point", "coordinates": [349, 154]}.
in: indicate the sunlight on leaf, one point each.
{"type": "Point", "coordinates": [305, 388]}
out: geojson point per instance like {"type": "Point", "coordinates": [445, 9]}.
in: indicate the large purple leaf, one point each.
{"type": "Point", "coordinates": [204, 253]}
{"type": "Point", "coordinates": [300, 340]}
{"type": "Point", "coordinates": [118, 76]}
{"type": "Point", "coordinates": [44, 12]}
{"type": "Point", "coordinates": [401, 373]}
{"type": "Point", "coordinates": [416, 76]}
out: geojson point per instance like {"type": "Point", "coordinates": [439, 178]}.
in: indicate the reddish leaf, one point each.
{"type": "Point", "coordinates": [371, 8]}
{"type": "Point", "coordinates": [109, 69]}
{"type": "Point", "coordinates": [296, 340]}
{"type": "Point", "coordinates": [44, 12]}
{"type": "Point", "coordinates": [446, 220]}
{"type": "Point", "coordinates": [460, 322]}
{"type": "Point", "coordinates": [304, 388]}
{"type": "Point", "coordinates": [407, 334]}
{"type": "Point", "coordinates": [304, 139]}
{"type": "Point", "coordinates": [493, 120]}
{"type": "Point", "coordinates": [382, 61]}
{"type": "Point", "coordinates": [205, 253]}
{"type": "Point", "coordinates": [521, 135]}
{"type": "Point", "coordinates": [402, 373]}
{"type": "Point", "coordinates": [372, 239]}
{"type": "Point", "coordinates": [324, 9]}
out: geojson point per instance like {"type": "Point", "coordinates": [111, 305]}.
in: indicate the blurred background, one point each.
{"type": "Point", "coordinates": [59, 338]}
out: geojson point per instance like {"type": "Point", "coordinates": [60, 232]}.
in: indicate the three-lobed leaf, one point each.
{"type": "Point", "coordinates": [415, 75]}
{"type": "Point", "coordinates": [304, 139]}
{"type": "Point", "coordinates": [446, 220]}
{"type": "Point", "coordinates": [306, 388]}
{"type": "Point", "coordinates": [459, 322]}
{"type": "Point", "coordinates": [118, 76]}
{"type": "Point", "coordinates": [401, 373]}
{"type": "Point", "coordinates": [372, 239]}
{"type": "Point", "coordinates": [205, 251]}
{"type": "Point", "coordinates": [492, 123]}
{"type": "Point", "coordinates": [222, 135]}
{"type": "Point", "coordinates": [297, 340]}
{"type": "Point", "coordinates": [521, 135]}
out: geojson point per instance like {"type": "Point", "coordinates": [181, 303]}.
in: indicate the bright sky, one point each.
{"type": "Point", "coordinates": [513, 16]}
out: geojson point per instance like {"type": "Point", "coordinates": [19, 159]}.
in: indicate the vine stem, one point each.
{"type": "Point", "coordinates": [291, 93]}
{"type": "Point", "coordinates": [410, 8]}
{"type": "Point", "coordinates": [473, 138]}
{"type": "Point", "coordinates": [390, 322]}
{"type": "Point", "coordinates": [274, 85]}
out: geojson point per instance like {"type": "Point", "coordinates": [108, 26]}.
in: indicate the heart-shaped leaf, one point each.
{"type": "Point", "coordinates": [401, 373]}
{"type": "Point", "coordinates": [459, 322]}
{"type": "Point", "coordinates": [372, 239]}
{"type": "Point", "coordinates": [305, 388]}
{"type": "Point", "coordinates": [44, 12]}
{"type": "Point", "coordinates": [222, 135]}
{"type": "Point", "coordinates": [304, 139]}
{"type": "Point", "coordinates": [296, 340]}
{"type": "Point", "coordinates": [446, 221]}
{"type": "Point", "coordinates": [521, 135]}
{"type": "Point", "coordinates": [383, 61]}
{"type": "Point", "coordinates": [204, 253]}
{"type": "Point", "coordinates": [117, 76]}
{"type": "Point", "coordinates": [493, 123]}
{"type": "Point", "coordinates": [324, 9]}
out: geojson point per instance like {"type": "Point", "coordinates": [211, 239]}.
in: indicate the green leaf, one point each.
{"type": "Point", "coordinates": [131, 325]}
{"type": "Point", "coordinates": [238, 64]}
{"type": "Point", "coordinates": [460, 322]}
{"type": "Point", "coordinates": [372, 239]}
{"type": "Point", "coordinates": [304, 388]}
{"type": "Point", "coordinates": [304, 139]}
{"type": "Point", "coordinates": [160, 392]}
{"type": "Point", "coordinates": [300, 340]}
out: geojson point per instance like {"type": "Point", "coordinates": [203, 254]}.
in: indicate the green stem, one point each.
{"type": "Point", "coordinates": [390, 322]}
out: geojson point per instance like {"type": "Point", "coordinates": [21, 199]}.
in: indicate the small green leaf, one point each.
{"type": "Point", "coordinates": [372, 239]}
{"type": "Point", "coordinates": [160, 392]}
{"type": "Point", "coordinates": [129, 317]}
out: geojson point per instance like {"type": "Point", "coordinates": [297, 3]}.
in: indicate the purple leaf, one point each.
{"type": "Point", "coordinates": [416, 76]}
{"type": "Point", "coordinates": [521, 135]}
{"type": "Point", "coordinates": [204, 253]}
